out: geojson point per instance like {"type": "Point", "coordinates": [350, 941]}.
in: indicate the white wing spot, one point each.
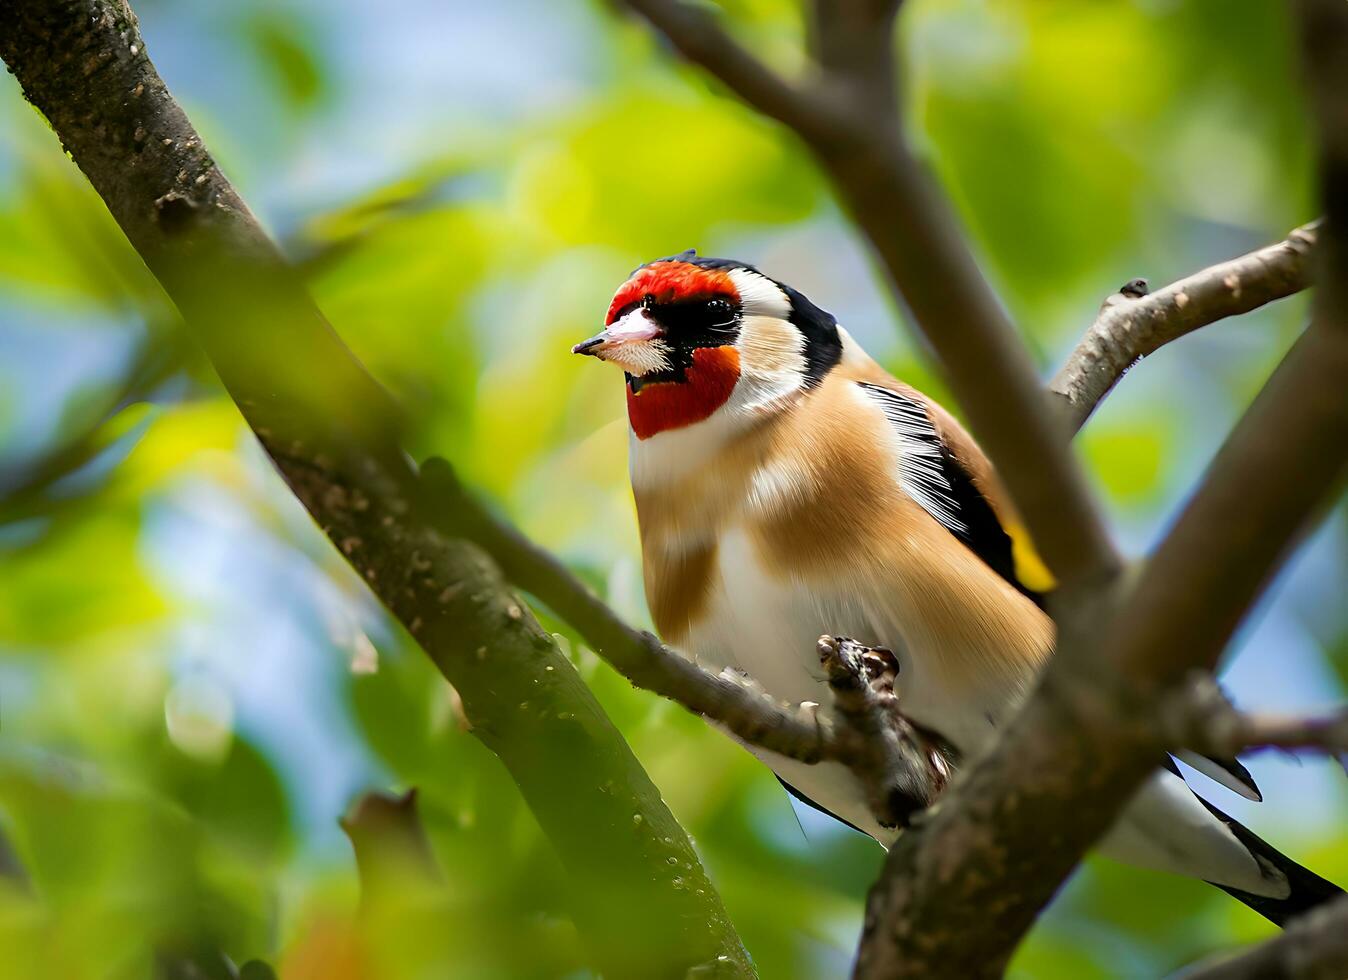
{"type": "Point", "coordinates": [921, 471]}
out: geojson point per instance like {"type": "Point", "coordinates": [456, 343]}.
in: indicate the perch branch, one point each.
{"type": "Point", "coordinates": [904, 760]}
{"type": "Point", "coordinates": [1313, 947]}
{"type": "Point", "coordinates": [1129, 329]}
{"type": "Point", "coordinates": [333, 433]}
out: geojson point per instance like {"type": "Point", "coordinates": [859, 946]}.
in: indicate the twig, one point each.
{"type": "Point", "coordinates": [1128, 330]}
{"type": "Point", "coordinates": [694, 31]}
{"type": "Point", "coordinates": [1199, 716]}
{"type": "Point", "coordinates": [1313, 947]}
{"type": "Point", "coordinates": [23, 489]}
{"type": "Point", "coordinates": [907, 768]}
{"type": "Point", "coordinates": [392, 851]}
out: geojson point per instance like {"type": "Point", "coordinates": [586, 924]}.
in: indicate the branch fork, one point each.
{"type": "Point", "coordinates": [1201, 717]}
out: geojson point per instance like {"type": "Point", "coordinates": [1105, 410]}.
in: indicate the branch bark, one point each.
{"type": "Point", "coordinates": [1128, 330]}
{"type": "Point", "coordinates": [1314, 947]}
{"type": "Point", "coordinates": [958, 892]}
{"type": "Point", "coordinates": [1202, 719]}
{"type": "Point", "coordinates": [1086, 738]}
{"type": "Point", "coordinates": [642, 897]}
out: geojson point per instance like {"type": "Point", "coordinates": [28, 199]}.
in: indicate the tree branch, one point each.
{"type": "Point", "coordinates": [1203, 719]}
{"type": "Point", "coordinates": [1313, 947]}
{"type": "Point", "coordinates": [930, 270]}
{"type": "Point", "coordinates": [1128, 330]}
{"type": "Point", "coordinates": [1087, 737]}
{"type": "Point", "coordinates": [852, 41]}
{"type": "Point", "coordinates": [332, 432]}
{"type": "Point", "coordinates": [694, 31]}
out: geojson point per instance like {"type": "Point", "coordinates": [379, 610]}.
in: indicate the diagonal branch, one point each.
{"type": "Point", "coordinates": [693, 30]}
{"type": "Point", "coordinates": [932, 273]}
{"type": "Point", "coordinates": [1128, 330]}
{"type": "Point", "coordinates": [1087, 738]}
{"type": "Point", "coordinates": [333, 434]}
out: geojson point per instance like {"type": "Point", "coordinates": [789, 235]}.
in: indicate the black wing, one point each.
{"type": "Point", "coordinates": [941, 485]}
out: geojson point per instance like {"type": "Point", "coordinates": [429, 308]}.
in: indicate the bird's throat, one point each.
{"type": "Point", "coordinates": [706, 386]}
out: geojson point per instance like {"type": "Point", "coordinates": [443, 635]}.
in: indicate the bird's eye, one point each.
{"type": "Point", "coordinates": [720, 314]}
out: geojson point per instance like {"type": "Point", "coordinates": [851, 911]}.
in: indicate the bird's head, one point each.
{"type": "Point", "coordinates": [695, 335]}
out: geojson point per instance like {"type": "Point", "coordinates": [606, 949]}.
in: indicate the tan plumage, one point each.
{"type": "Point", "coordinates": [813, 486]}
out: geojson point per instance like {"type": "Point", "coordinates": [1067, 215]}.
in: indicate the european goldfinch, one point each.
{"type": "Point", "coordinates": [787, 487]}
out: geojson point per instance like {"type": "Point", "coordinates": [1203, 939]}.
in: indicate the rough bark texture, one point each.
{"type": "Point", "coordinates": [643, 900]}
{"type": "Point", "coordinates": [1128, 330]}
{"type": "Point", "coordinates": [1314, 947]}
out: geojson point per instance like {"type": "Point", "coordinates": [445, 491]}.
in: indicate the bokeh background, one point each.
{"type": "Point", "coordinates": [193, 687]}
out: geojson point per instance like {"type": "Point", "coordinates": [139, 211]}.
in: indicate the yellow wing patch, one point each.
{"type": "Point", "coordinates": [1030, 568]}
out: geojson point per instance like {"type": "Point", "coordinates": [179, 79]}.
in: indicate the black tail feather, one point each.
{"type": "Point", "coordinates": [1308, 888]}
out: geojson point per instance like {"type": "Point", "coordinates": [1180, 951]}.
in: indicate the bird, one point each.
{"type": "Point", "coordinates": [788, 487]}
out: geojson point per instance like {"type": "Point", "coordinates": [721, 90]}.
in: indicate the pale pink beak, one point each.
{"type": "Point", "coordinates": [635, 326]}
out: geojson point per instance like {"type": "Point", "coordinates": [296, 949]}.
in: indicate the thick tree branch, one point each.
{"type": "Point", "coordinates": [1127, 330]}
{"type": "Point", "coordinates": [1313, 947]}
{"type": "Point", "coordinates": [1087, 738]}
{"type": "Point", "coordinates": [959, 891]}
{"type": "Point", "coordinates": [642, 896]}
{"type": "Point", "coordinates": [931, 271]}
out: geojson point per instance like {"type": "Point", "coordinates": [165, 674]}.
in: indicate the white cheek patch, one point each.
{"type": "Point", "coordinates": [772, 350]}
{"type": "Point", "coordinates": [772, 362]}
{"type": "Point", "coordinates": [759, 295]}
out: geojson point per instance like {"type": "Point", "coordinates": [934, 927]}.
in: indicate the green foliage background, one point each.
{"type": "Point", "coordinates": [193, 685]}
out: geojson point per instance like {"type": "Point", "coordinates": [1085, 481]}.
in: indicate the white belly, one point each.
{"type": "Point", "coordinates": [769, 628]}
